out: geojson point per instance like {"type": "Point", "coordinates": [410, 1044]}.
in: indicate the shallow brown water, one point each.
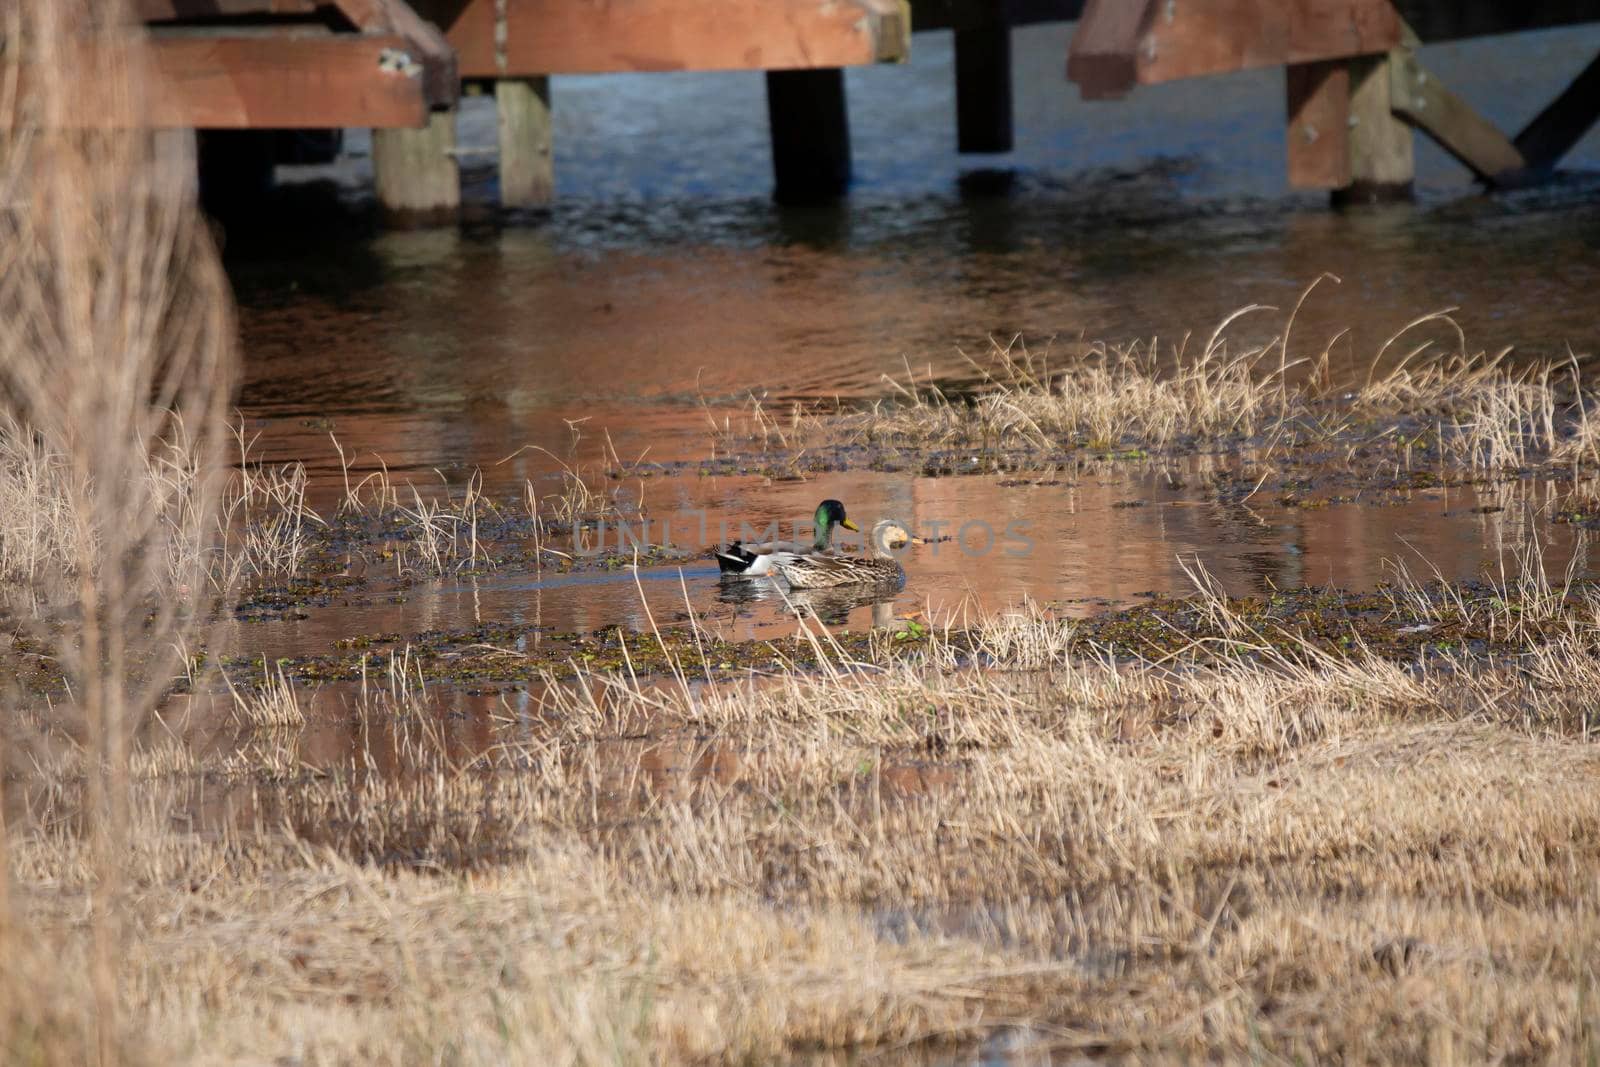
{"type": "Point", "coordinates": [664, 288]}
{"type": "Point", "coordinates": [1080, 541]}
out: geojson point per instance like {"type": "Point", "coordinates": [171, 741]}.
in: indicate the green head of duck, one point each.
{"type": "Point", "coordinates": [830, 513]}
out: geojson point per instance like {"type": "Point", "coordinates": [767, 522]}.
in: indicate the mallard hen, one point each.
{"type": "Point", "coordinates": [825, 571]}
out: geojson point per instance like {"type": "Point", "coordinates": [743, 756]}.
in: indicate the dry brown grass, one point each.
{"type": "Point", "coordinates": [1105, 396]}
{"type": "Point", "coordinates": [271, 705]}
{"type": "Point", "coordinates": [267, 529]}
{"type": "Point", "coordinates": [1309, 859]}
{"type": "Point", "coordinates": [1462, 408]}
{"type": "Point", "coordinates": [116, 369]}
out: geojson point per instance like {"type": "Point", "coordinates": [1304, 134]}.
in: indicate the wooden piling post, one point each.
{"type": "Point", "coordinates": [1382, 152]}
{"type": "Point", "coordinates": [810, 125]}
{"type": "Point", "coordinates": [983, 88]}
{"type": "Point", "coordinates": [527, 169]}
{"type": "Point", "coordinates": [419, 182]}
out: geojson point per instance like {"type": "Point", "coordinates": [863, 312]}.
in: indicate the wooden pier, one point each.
{"type": "Point", "coordinates": [1356, 92]}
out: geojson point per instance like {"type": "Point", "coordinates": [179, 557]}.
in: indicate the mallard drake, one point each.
{"type": "Point", "coordinates": [753, 560]}
{"type": "Point", "coordinates": [825, 571]}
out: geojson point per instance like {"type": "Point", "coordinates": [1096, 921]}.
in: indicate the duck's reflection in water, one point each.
{"type": "Point", "coordinates": [832, 606]}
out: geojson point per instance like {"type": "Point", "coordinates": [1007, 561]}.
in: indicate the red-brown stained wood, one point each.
{"type": "Point", "coordinates": [1100, 59]}
{"type": "Point", "coordinates": [592, 36]}
{"type": "Point", "coordinates": [1321, 29]}
{"type": "Point", "coordinates": [428, 45]}
{"type": "Point", "coordinates": [1190, 38]}
{"type": "Point", "coordinates": [386, 16]}
{"type": "Point", "coordinates": [1154, 41]}
{"type": "Point", "coordinates": [1319, 124]}
{"type": "Point", "coordinates": [283, 82]}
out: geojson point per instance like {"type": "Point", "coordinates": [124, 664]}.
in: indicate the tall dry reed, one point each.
{"type": "Point", "coordinates": [116, 363]}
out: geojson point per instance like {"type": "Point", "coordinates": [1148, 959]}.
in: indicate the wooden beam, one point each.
{"type": "Point", "coordinates": [926, 14]}
{"type": "Point", "coordinates": [1558, 127]}
{"type": "Point", "coordinates": [495, 38]}
{"type": "Point", "coordinates": [1101, 58]}
{"type": "Point", "coordinates": [386, 16]}
{"type": "Point", "coordinates": [983, 89]}
{"type": "Point", "coordinates": [263, 81]}
{"type": "Point", "coordinates": [1421, 99]}
{"type": "Point", "coordinates": [1320, 29]}
{"type": "Point", "coordinates": [1319, 124]}
{"type": "Point", "coordinates": [288, 82]}
{"type": "Point", "coordinates": [1123, 43]}
{"type": "Point", "coordinates": [429, 46]}
{"type": "Point", "coordinates": [373, 17]}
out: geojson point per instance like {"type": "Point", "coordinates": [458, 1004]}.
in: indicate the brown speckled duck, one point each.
{"type": "Point", "coordinates": [825, 571]}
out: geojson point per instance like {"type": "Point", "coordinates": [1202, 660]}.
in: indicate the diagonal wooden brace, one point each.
{"type": "Point", "coordinates": [1422, 100]}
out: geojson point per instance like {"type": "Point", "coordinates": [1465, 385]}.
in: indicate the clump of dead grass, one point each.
{"type": "Point", "coordinates": [37, 533]}
{"type": "Point", "coordinates": [271, 705]}
{"type": "Point", "coordinates": [267, 529]}
{"type": "Point", "coordinates": [1106, 396]}
{"type": "Point", "coordinates": [1464, 409]}
{"type": "Point", "coordinates": [266, 521]}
